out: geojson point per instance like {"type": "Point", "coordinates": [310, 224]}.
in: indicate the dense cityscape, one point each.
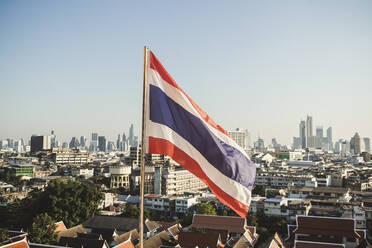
{"type": "Point", "coordinates": [185, 124]}
{"type": "Point", "coordinates": [314, 181]}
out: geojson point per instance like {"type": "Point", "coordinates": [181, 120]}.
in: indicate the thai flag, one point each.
{"type": "Point", "coordinates": [177, 127]}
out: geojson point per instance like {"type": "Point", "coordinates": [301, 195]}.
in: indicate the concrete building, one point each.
{"type": "Point", "coordinates": [102, 143]}
{"type": "Point", "coordinates": [66, 156]}
{"type": "Point", "coordinates": [175, 180]}
{"type": "Point", "coordinates": [240, 137]}
{"type": "Point", "coordinates": [309, 129]}
{"type": "Point", "coordinates": [355, 144]}
{"type": "Point", "coordinates": [19, 170]}
{"type": "Point", "coordinates": [319, 131]}
{"type": "Point", "coordinates": [40, 143]}
{"type": "Point", "coordinates": [120, 176]}
{"type": "Point", "coordinates": [302, 132]}
{"type": "Point", "coordinates": [288, 155]}
{"type": "Point", "coordinates": [276, 179]}
{"type": "Point", "coordinates": [329, 138]}
{"type": "Point", "coordinates": [84, 172]}
{"type": "Point", "coordinates": [274, 207]}
{"type": "Point", "coordinates": [367, 145]}
{"type": "Point", "coordinates": [182, 204]}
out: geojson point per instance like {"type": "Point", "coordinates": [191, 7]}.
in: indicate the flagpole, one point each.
{"type": "Point", "coordinates": [142, 182]}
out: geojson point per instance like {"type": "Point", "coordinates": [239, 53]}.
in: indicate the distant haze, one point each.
{"type": "Point", "coordinates": [76, 66]}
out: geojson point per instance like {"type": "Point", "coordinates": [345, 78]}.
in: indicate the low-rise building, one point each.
{"type": "Point", "coordinates": [342, 194]}
{"type": "Point", "coordinates": [182, 204]}
{"type": "Point", "coordinates": [311, 231]}
{"type": "Point", "coordinates": [175, 180]}
{"type": "Point", "coordinates": [274, 207]}
{"type": "Point", "coordinates": [84, 172]}
{"type": "Point", "coordinates": [120, 176]}
{"type": "Point", "coordinates": [281, 179]}
{"type": "Point", "coordinates": [19, 170]}
{"type": "Point", "coordinates": [158, 203]}
{"type": "Point", "coordinates": [66, 156]}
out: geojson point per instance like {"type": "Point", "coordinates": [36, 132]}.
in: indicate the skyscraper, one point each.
{"type": "Point", "coordinates": [367, 144]}
{"type": "Point", "coordinates": [118, 143]}
{"type": "Point", "coordinates": [94, 142]}
{"type": "Point", "coordinates": [52, 139]}
{"type": "Point", "coordinates": [74, 142]}
{"type": "Point", "coordinates": [131, 135]}
{"type": "Point", "coordinates": [303, 134]}
{"type": "Point", "coordinates": [94, 136]}
{"type": "Point", "coordinates": [309, 129]}
{"type": "Point", "coordinates": [329, 138]}
{"type": "Point", "coordinates": [355, 144]}
{"type": "Point", "coordinates": [319, 132]}
{"type": "Point", "coordinates": [39, 143]}
{"type": "Point", "coordinates": [102, 144]}
{"type": "Point", "coordinates": [83, 141]}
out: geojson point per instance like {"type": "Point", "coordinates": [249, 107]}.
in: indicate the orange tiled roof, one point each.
{"type": "Point", "coordinates": [125, 244]}
{"type": "Point", "coordinates": [231, 224]}
{"type": "Point", "coordinates": [18, 244]}
{"type": "Point", "coordinates": [60, 226]}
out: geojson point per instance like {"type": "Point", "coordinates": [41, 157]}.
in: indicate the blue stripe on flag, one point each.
{"type": "Point", "coordinates": [227, 159]}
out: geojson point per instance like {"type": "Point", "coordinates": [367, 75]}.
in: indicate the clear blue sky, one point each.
{"type": "Point", "coordinates": [76, 66]}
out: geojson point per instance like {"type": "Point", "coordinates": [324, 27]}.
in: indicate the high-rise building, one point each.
{"type": "Point", "coordinates": [94, 142]}
{"type": "Point", "coordinates": [52, 139]}
{"type": "Point", "coordinates": [303, 134]}
{"type": "Point", "coordinates": [297, 143]}
{"type": "Point", "coordinates": [239, 136]}
{"type": "Point", "coordinates": [83, 141]}
{"type": "Point", "coordinates": [259, 145]}
{"type": "Point", "coordinates": [94, 136]}
{"type": "Point", "coordinates": [135, 141]}
{"type": "Point", "coordinates": [110, 146]}
{"type": "Point", "coordinates": [74, 142]}
{"type": "Point", "coordinates": [118, 143]}
{"type": "Point", "coordinates": [367, 144]}
{"type": "Point", "coordinates": [131, 135]}
{"type": "Point", "coordinates": [355, 144]}
{"type": "Point", "coordinates": [329, 138]}
{"type": "Point", "coordinates": [40, 143]}
{"type": "Point", "coordinates": [309, 129]}
{"type": "Point", "coordinates": [102, 143]}
{"type": "Point", "coordinates": [3, 144]}
{"type": "Point", "coordinates": [319, 132]}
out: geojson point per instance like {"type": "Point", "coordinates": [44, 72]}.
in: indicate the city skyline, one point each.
{"type": "Point", "coordinates": [74, 67]}
{"type": "Point", "coordinates": [253, 138]}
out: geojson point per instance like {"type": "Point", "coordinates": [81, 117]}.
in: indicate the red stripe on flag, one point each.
{"type": "Point", "coordinates": [157, 66]}
{"type": "Point", "coordinates": [164, 147]}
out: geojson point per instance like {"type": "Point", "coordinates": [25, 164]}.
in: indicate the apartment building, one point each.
{"type": "Point", "coordinates": [275, 179]}
{"type": "Point", "coordinates": [175, 180]}
{"type": "Point", "coordinates": [66, 156]}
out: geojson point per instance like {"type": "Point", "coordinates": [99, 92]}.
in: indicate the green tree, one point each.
{"type": "Point", "coordinates": [42, 231]}
{"type": "Point", "coordinates": [101, 180]}
{"type": "Point", "coordinates": [252, 220]}
{"type": "Point", "coordinates": [259, 190]}
{"type": "Point", "coordinates": [133, 211]}
{"type": "Point", "coordinates": [70, 201]}
{"type": "Point", "coordinates": [3, 236]}
{"type": "Point", "coordinates": [201, 208]}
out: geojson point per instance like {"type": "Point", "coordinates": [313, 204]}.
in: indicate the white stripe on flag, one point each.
{"type": "Point", "coordinates": [231, 187]}
{"type": "Point", "coordinates": [177, 96]}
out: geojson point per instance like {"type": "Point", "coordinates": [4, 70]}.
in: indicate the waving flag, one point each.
{"type": "Point", "coordinates": [177, 127]}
